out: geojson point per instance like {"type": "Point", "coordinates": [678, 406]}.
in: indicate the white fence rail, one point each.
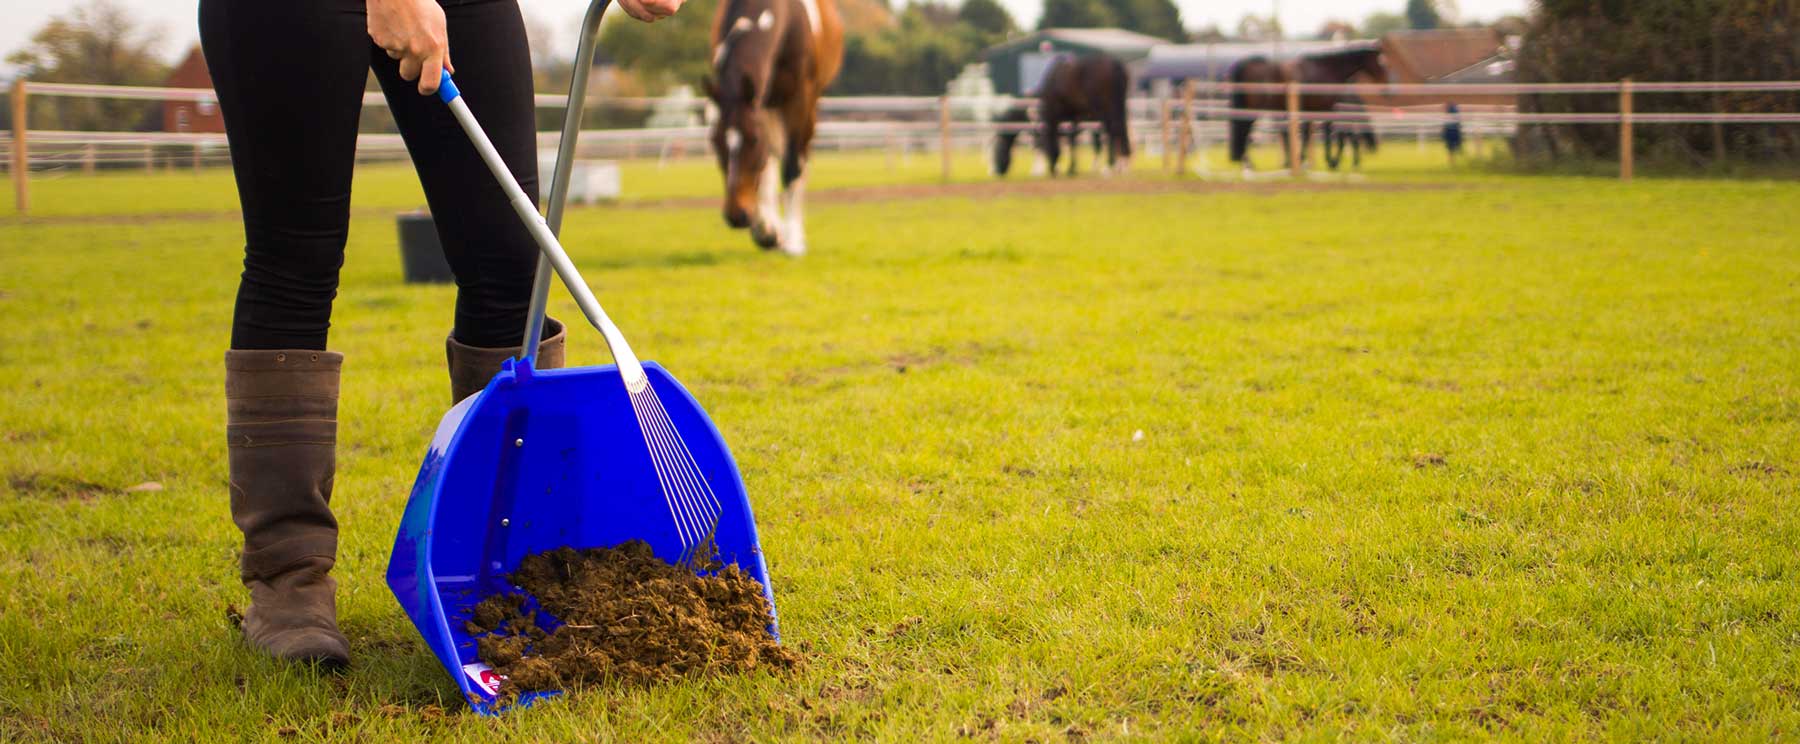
{"type": "Point", "coordinates": [1173, 126]}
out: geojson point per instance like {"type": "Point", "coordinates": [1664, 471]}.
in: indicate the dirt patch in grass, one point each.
{"type": "Point", "coordinates": [997, 189]}
{"type": "Point", "coordinates": [1422, 460]}
{"type": "Point", "coordinates": [625, 616]}
{"type": "Point", "coordinates": [1094, 185]}
{"type": "Point", "coordinates": [1758, 467]}
{"type": "Point", "coordinates": [60, 487]}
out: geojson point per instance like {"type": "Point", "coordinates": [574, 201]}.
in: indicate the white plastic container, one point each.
{"type": "Point", "coordinates": [590, 181]}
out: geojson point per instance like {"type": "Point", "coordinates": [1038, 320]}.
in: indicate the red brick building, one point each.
{"type": "Point", "coordinates": [192, 116]}
{"type": "Point", "coordinates": [1438, 57]}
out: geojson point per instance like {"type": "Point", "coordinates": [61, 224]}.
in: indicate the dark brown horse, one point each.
{"type": "Point", "coordinates": [771, 61]}
{"type": "Point", "coordinates": [1074, 90]}
{"type": "Point", "coordinates": [1352, 133]}
{"type": "Point", "coordinates": [1327, 67]}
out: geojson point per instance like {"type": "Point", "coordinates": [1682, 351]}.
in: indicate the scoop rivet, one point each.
{"type": "Point", "coordinates": [518, 442]}
{"type": "Point", "coordinates": [505, 523]}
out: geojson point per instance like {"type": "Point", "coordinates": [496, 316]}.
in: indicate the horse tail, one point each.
{"type": "Point", "coordinates": [1334, 144]}
{"type": "Point", "coordinates": [1240, 126]}
{"type": "Point", "coordinates": [1121, 92]}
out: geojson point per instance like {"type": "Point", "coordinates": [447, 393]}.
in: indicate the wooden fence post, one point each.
{"type": "Point", "coordinates": [1626, 156]}
{"type": "Point", "coordinates": [1163, 129]}
{"type": "Point", "coordinates": [1183, 132]}
{"type": "Point", "coordinates": [944, 135]}
{"type": "Point", "coordinates": [20, 161]}
{"type": "Point", "coordinates": [88, 155]}
{"type": "Point", "coordinates": [149, 158]}
{"type": "Point", "coordinates": [1294, 147]}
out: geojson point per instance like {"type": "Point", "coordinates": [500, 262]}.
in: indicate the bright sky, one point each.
{"type": "Point", "coordinates": [175, 18]}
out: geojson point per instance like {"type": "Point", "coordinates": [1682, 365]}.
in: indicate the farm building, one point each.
{"type": "Point", "coordinates": [1460, 55]}
{"type": "Point", "coordinates": [1426, 56]}
{"type": "Point", "coordinates": [1178, 62]}
{"type": "Point", "coordinates": [1463, 56]}
{"type": "Point", "coordinates": [192, 116]}
{"type": "Point", "coordinates": [1017, 66]}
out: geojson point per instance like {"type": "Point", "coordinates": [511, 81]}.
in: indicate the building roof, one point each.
{"type": "Point", "coordinates": [1118, 42]}
{"type": "Point", "coordinates": [1214, 61]}
{"type": "Point", "coordinates": [1496, 69]}
{"type": "Point", "coordinates": [1424, 56]}
{"type": "Point", "coordinates": [191, 72]}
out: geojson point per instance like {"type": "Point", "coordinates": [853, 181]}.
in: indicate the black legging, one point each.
{"type": "Point", "coordinates": [290, 76]}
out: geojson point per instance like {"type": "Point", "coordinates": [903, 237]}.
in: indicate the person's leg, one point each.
{"type": "Point", "coordinates": [489, 250]}
{"type": "Point", "coordinates": [289, 77]}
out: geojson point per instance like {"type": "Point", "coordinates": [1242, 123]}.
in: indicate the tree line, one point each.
{"type": "Point", "coordinates": [914, 49]}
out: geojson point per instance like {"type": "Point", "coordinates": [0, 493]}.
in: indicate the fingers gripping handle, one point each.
{"type": "Point", "coordinates": [629, 367]}
{"type": "Point", "coordinates": [447, 91]}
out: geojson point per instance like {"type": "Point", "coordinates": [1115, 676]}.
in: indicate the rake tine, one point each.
{"type": "Point", "coordinates": [669, 476]}
{"type": "Point", "coordinates": [685, 470]}
{"type": "Point", "coordinates": [689, 482]}
{"type": "Point", "coordinates": [668, 427]}
{"type": "Point", "coordinates": [660, 478]}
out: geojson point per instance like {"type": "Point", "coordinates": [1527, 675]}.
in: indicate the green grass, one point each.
{"type": "Point", "coordinates": [1515, 457]}
{"type": "Point", "coordinates": [394, 187]}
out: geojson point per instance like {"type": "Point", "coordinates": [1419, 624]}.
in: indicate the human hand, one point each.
{"type": "Point", "coordinates": [412, 31]}
{"type": "Point", "coordinates": [649, 11]}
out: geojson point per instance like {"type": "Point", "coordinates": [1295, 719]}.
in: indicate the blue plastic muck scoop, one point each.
{"type": "Point", "coordinates": [583, 457]}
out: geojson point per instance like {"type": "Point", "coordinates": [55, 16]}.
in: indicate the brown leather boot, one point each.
{"type": "Point", "coordinates": [282, 431]}
{"type": "Point", "coordinates": [472, 368]}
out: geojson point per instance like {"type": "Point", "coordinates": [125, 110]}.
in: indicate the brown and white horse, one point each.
{"type": "Point", "coordinates": [771, 61]}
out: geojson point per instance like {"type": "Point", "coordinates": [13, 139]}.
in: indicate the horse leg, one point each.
{"type": "Point", "coordinates": [1240, 138]}
{"type": "Point", "coordinates": [1305, 143]}
{"type": "Point", "coordinates": [793, 178]}
{"type": "Point", "coordinates": [1052, 141]}
{"type": "Point", "coordinates": [1307, 150]}
{"type": "Point", "coordinates": [1074, 144]}
{"type": "Point", "coordinates": [765, 227]}
{"type": "Point", "coordinates": [766, 224]}
{"type": "Point", "coordinates": [1115, 122]}
{"type": "Point", "coordinates": [1332, 144]}
{"type": "Point", "coordinates": [1118, 143]}
{"type": "Point", "coordinates": [1107, 170]}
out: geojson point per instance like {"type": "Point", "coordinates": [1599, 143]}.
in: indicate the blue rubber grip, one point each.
{"type": "Point", "coordinates": [447, 91]}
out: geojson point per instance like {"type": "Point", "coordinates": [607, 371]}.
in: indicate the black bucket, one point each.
{"type": "Point", "coordinates": [421, 255]}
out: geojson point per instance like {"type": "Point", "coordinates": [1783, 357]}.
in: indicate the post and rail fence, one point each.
{"type": "Point", "coordinates": [918, 122]}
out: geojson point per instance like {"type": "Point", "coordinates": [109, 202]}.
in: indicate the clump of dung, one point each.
{"type": "Point", "coordinates": [626, 616]}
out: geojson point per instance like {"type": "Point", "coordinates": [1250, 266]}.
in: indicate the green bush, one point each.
{"type": "Point", "coordinates": [1663, 40]}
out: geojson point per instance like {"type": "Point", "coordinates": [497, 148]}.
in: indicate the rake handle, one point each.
{"type": "Point", "coordinates": [629, 366]}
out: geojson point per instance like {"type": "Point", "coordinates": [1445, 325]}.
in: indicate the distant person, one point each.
{"type": "Point", "coordinates": [1453, 134]}
{"type": "Point", "coordinates": [290, 77]}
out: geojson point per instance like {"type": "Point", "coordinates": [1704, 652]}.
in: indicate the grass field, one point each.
{"type": "Point", "coordinates": [1480, 456]}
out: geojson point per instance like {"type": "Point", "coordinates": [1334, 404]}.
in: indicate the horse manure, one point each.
{"type": "Point", "coordinates": [624, 616]}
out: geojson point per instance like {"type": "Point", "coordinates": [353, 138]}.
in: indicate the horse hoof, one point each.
{"type": "Point", "coordinates": [765, 238]}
